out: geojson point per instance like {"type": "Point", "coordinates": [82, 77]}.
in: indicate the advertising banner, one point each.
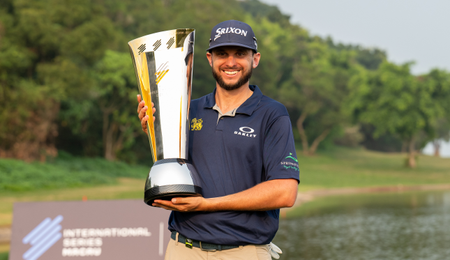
{"type": "Point", "coordinates": [120, 229]}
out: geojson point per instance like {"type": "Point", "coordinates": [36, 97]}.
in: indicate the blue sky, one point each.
{"type": "Point", "coordinates": [409, 30]}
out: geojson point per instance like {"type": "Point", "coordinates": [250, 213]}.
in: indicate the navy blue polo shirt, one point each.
{"type": "Point", "coordinates": [233, 154]}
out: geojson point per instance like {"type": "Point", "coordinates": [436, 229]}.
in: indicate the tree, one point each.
{"type": "Point", "coordinates": [115, 92]}
{"type": "Point", "coordinates": [317, 91]}
{"type": "Point", "coordinates": [439, 82]}
{"type": "Point", "coordinates": [48, 49]}
{"type": "Point", "coordinates": [395, 101]}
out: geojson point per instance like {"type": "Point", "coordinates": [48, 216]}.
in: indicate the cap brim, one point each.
{"type": "Point", "coordinates": [231, 44]}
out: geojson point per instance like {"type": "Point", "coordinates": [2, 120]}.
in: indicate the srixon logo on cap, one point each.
{"type": "Point", "coordinates": [221, 31]}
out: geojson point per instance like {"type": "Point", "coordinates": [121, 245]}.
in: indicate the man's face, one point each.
{"type": "Point", "coordinates": [232, 66]}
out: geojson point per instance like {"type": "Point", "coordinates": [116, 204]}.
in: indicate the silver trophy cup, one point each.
{"type": "Point", "coordinates": [163, 63]}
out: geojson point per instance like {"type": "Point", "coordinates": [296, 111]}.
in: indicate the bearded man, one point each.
{"type": "Point", "coordinates": [243, 149]}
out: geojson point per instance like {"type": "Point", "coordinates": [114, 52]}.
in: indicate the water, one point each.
{"type": "Point", "coordinates": [388, 226]}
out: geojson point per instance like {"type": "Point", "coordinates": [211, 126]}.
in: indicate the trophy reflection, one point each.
{"type": "Point", "coordinates": [163, 64]}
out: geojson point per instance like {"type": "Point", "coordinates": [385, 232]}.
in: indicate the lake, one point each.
{"type": "Point", "coordinates": [391, 226]}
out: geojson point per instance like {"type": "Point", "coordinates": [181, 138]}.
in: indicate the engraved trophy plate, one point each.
{"type": "Point", "coordinates": [163, 64]}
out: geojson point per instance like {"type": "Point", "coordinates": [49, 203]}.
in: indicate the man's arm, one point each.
{"type": "Point", "coordinates": [268, 195]}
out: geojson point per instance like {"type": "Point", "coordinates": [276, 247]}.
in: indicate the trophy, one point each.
{"type": "Point", "coordinates": [163, 63]}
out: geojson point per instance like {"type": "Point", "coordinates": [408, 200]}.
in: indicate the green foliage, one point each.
{"type": "Point", "coordinates": [370, 58]}
{"type": "Point", "coordinates": [438, 83]}
{"type": "Point", "coordinates": [316, 90]}
{"type": "Point", "coordinates": [4, 256]}
{"type": "Point", "coordinates": [272, 13]}
{"type": "Point", "coordinates": [48, 49]}
{"type": "Point", "coordinates": [67, 80]}
{"type": "Point", "coordinates": [63, 171]}
{"type": "Point", "coordinates": [395, 102]}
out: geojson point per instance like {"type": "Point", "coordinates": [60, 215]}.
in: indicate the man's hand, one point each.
{"type": "Point", "coordinates": [268, 195]}
{"type": "Point", "coordinates": [182, 204]}
{"type": "Point", "coordinates": [143, 117]}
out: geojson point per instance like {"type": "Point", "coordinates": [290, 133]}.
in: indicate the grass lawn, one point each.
{"type": "Point", "coordinates": [344, 167]}
{"type": "Point", "coordinates": [337, 168]}
{"type": "Point", "coordinates": [3, 255]}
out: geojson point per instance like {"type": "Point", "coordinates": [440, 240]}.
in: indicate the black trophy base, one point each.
{"type": "Point", "coordinates": [167, 192]}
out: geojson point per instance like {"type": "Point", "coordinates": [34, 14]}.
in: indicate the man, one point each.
{"type": "Point", "coordinates": [244, 153]}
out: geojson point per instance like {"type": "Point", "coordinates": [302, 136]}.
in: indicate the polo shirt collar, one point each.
{"type": "Point", "coordinates": [210, 100]}
{"type": "Point", "coordinates": [246, 108]}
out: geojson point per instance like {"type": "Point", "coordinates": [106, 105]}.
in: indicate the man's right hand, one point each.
{"type": "Point", "coordinates": [143, 117]}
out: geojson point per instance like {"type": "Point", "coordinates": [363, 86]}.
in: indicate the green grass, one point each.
{"type": "Point", "coordinates": [64, 172]}
{"type": "Point", "coordinates": [4, 256]}
{"type": "Point", "coordinates": [344, 167]}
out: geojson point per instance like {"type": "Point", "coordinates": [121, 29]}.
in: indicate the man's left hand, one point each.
{"type": "Point", "coordinates": [182, 204]}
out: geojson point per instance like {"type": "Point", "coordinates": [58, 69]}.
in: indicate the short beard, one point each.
{"type": "Point", "coordinates": [244, 79]}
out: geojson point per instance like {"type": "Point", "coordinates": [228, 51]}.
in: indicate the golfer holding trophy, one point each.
{"type": "Point", "coordinates": [241, 157]}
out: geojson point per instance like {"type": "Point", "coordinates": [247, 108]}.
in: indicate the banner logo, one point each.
{"type": "Point", "coordinates": [42, 237]}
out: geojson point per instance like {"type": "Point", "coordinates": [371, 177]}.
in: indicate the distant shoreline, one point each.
{"type": "Point", "coordinates": [307, 196]}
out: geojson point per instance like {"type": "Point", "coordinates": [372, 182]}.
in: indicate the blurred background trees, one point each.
{"type": "Point", "coordinates": [67, 81]}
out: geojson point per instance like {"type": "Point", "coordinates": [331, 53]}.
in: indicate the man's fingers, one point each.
{"type": "Point", "coordinates": [144, 123]}
{"type": "Point", "coordinates": [142, 112]}
{"type": "Point", "coordinates": [165, 204]}
{"type": "Point", "coordinates": [143, 116]}
{"type": "Point", "coordinates": [141, 105]}
{"type": "Point", "coordinates": [177, 204]}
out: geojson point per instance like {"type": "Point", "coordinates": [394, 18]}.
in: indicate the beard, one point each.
{"type": "Point", "coordinates": [244, 79]}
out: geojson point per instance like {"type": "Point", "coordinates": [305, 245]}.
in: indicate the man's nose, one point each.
{"type": "Point", "coordinates": [231, 61]}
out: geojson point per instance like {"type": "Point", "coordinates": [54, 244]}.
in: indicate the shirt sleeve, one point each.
{"type": "Point", "coordinates": [280, 157]}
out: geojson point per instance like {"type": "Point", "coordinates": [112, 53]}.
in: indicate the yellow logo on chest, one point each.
{"type": "Point", "coordinates": [196, 124]}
